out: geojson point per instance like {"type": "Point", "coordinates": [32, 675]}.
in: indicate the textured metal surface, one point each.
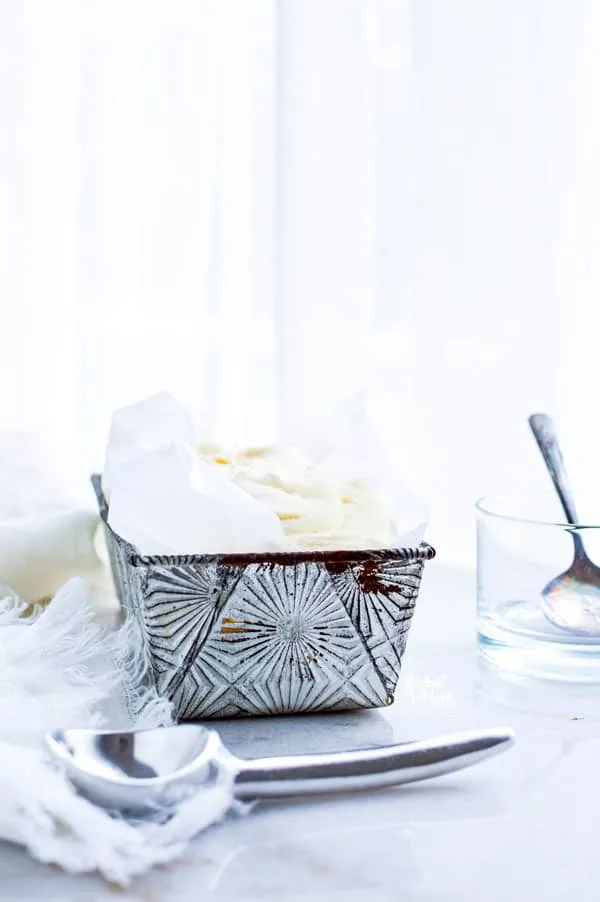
{"type": "Point", "coordinates": [276, 633]}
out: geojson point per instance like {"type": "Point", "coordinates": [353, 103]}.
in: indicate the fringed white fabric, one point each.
{"type": "Point", "coordinates": [40, 810]}
{"type": "Point", "coordinates": [59, 667]}
{"type": "Point", "coordinates": [141, 703]}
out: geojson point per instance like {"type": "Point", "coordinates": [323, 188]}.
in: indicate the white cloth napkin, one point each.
{"type": "Point", "coordinates": [58, 668]}
{"type": "Point", "coordinates": [47, 519]}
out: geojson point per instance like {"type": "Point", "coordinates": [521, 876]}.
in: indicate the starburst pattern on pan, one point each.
{"type": "Point", "coordinates": [380, 598]}
{"type": "Point", "coordinates": [181, 605]}
{"type": "Point", "coordinates": [284, 642]}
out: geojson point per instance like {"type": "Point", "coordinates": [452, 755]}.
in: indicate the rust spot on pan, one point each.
{"type": "Point", "coordinates": [368, 577]}
{"type": "Point", "coordinates": [228, 626]}
{"type": "Point", "coordinates": [232, 629]}
{"type": "Point", "coordinates": [243, 626]}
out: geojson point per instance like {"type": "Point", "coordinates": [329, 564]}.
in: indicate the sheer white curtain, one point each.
{"type": "Point", "coordinates": [136, 165]}
{"type": "Point", "coordinates": [441, 231]}
{"type": "Point", "coordinates": [268, 206]}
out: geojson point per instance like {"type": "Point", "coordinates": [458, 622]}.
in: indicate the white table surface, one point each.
{"type": "Point", "coordinates": [524, 826]}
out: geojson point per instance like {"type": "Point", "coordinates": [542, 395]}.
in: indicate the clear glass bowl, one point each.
{"type": "Point", "coordinates": [522, 545]}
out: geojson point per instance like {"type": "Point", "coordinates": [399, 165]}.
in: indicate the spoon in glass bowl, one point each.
{"type": "Point", "coordinates": [570, 601]}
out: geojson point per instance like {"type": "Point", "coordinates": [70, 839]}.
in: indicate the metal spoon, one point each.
{"type": "Point", "coordinates": [570, 601]}
{"type": "Point", "coordinates": [153, 770]}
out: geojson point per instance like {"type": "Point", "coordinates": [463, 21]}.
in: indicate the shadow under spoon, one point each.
{"type": "Point", "coordinates": [571, 601]}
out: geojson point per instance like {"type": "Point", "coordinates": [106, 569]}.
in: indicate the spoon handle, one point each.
{"type": "Point", "coordinates": [367, 769]}
{"type": "Point", "coordinates": [545, 435]}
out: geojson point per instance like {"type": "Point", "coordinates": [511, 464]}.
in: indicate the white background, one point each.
{"type": "Point", "coordinates": [268, 206]}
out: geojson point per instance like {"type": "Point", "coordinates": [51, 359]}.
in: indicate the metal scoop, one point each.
{"type": "Point", "coordinates": [154, 770]}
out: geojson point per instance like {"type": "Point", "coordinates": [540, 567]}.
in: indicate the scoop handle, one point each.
{"type": "Point", "coordinates": [547, 440]}
{"type": "Point", "coordinates": [370, 768]}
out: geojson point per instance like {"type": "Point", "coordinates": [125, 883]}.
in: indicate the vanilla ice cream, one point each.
{"type": "Point", "coordinates": [316, 510]}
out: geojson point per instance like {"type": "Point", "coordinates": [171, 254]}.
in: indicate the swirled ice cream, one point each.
{"type": "Point", "coordinates": [168, 495]}
{"type": "Point", "coordinates": [316, 510]}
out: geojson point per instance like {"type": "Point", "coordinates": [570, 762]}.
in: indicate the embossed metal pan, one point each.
{"type": "Point", "coordinates": [275, 633]}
